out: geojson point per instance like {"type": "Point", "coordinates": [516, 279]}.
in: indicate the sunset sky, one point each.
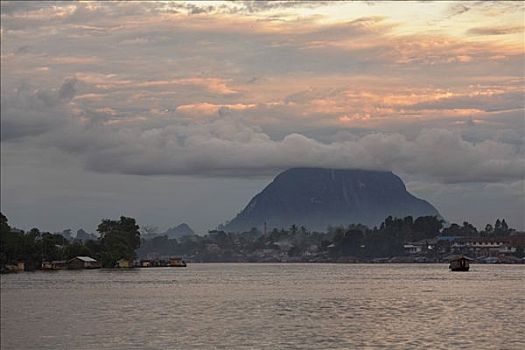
{"type": "Point", "coordinates": [175, 112]}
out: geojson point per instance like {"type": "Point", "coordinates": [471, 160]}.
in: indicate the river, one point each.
{"type": "Point", "coordinates": [266, 306]}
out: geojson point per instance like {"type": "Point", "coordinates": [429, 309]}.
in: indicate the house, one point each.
{"type": "Point", "coordinates": [421, 246]}
{"type": "Point", "coordinates": [412, 248]}
{"type": "Point", "coordinates": [124, 263]}
{"type": "Point", "coordinates": [54, 265]}
{"type": "Point", "coordinates": [146, 263]}
{"type": "Point", "coordinates": [46, 265]}
{"type": "Point", "coordinates": [481, 246]}
{"type": "Point", "coordinates": [83, 262]}
{"type": "Point", "coordinates": [19, 267]}
{"type": "Point", "coordinates": [58, 264]}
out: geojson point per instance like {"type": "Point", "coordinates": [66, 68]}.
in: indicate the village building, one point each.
{"type": "Point", "coordinates": [146, 263]}
{"type": "Point", "coordinates": [19, 267]}
{"type": "Point", "coordinates": [412, 248]}
{"type": "Point", "coordinates": [83, 262]}
{"type": "Point", "coordinates": [58, 264]}
{"type": "Point", "coordinates": [480, 246]}
{"type": "Point", "coordinates": [46, 265]}
{"type": "Point", "coordinates": [125, 263]}
{"type": "Point", "coordinates": [422, 246]}
{"type": "Point", "coordinates": [54, 265]}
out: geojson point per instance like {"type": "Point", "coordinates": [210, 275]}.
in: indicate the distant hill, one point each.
{"type": "Point", "coordinates": [67, 234]}
{"type": "Point", "coordinates": [179, 231]}
{"type": "Point", "coordinates": [317, 197]}
{"type": "Point", "coordinates": [84, 236]}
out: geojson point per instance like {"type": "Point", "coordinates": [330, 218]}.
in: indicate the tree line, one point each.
{"type": "Point", "coordinates": [121, 239]}
{"type": "Point", "coordinates": [355, 240]}
{"type": "Point", "coordinates": [118, 239]}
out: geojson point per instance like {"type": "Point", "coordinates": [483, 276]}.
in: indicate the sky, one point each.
{"type": "Point", "coordinates": [174, 112]}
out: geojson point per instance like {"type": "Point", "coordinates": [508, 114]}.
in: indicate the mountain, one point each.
{"type": "Point", "coordinates": [179, 231]}
{"type": "Point", "coordinates": [317, 197]}
{"type": "Point", "coordinates": [67, 234]}
{"type": "Point", "coordinates": [84, 236]}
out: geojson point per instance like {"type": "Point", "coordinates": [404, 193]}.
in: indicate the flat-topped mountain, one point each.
{"type": "Point", "coordinates": [317, 197]}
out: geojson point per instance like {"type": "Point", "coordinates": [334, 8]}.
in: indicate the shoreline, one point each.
{"type": "Point", "coordinates": [268, 263]}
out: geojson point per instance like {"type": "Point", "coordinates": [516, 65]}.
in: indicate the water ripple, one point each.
{"type": "Point", "coordinates": [266, 306]}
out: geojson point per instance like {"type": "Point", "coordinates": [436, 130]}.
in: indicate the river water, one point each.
{"type": "Point", "coordinates": [267, 306]}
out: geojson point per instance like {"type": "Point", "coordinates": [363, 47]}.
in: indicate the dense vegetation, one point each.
{"type": "Point", "coordinates": [299, 244]}
{"type": "Point", "coordinates": [121, 239]}
{"type": "Point", "coordinates": [118, 239]}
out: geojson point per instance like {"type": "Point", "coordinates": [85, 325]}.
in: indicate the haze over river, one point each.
{"type": "Point", "coordinates": [266, 306]}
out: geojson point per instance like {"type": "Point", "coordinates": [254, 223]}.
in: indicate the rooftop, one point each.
{"type": "Point", "coordinates": [85, 258]}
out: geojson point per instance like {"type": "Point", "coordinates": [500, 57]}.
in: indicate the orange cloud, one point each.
{"type": "Point", "coordinates": [210, 109]}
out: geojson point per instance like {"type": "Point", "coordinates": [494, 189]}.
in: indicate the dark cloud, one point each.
{"type": "Point", "coordinates": [67, 90]}
{"type": "Point", "coordinates": [31, 112]}
{"type": "Point", "coordinates": [14, 7]}
{"type": "Point", "coordinates": [228, 146]}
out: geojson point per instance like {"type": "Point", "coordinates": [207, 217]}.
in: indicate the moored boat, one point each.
{"type": "Point", "coordinates": [177, 262]}
{"type": "Point", "coordinates": [459, 263]}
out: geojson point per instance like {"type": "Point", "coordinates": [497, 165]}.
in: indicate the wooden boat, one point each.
{"type": "Point", "coordinates": [459, 263]}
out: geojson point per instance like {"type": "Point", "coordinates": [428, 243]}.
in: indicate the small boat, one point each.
{"type": "Point", "coordinates": [459, 263]}
{"type": "Point", "coordinates": [177, 262]}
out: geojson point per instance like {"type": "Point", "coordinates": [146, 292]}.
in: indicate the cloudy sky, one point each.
{"type": "Point", "coordinates": [172, 111]}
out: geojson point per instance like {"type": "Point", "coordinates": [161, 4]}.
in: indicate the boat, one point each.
{"type": "Point", "coordinates": [177, 262]}
{"type": "Point", "coordinates": [459, 263]}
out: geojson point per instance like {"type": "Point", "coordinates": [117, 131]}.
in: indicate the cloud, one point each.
{"type": "Point", "coordinates": [210, 109]}
{"type": "Point", "coordinates": [159, 92]}
{"type": "Point", "coordinates": [490, 102]}
{"type": "Point", "coordinates": [229, 146]}
{"type": "Point", "coordinates": [495, 30]}
{"type": "Point", "coordinates": [457, 9]}
{"type": "Point", "coordinates": [32, 112]}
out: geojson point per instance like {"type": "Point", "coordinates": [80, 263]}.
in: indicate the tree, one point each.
{"type": "Point", "coordinates": [504, 226]}
{"type": "Point", "coordinates": [31, 249]}
{"type": "Point", "coordinates": [497, 226]}
{"type": "Point", "coordinates": [501, 227]}
{"type": "Point", "coordinates": [7, 242]}
{"type": "Point", "coordinates": [4, 226]}
{"type": "Point", "coordinates": [469, 229]}
{"type": "Point", "coordinates": [76, 249]}
{"type": "Point", "coordinates": [119, 239]}
{"type": "Point", "coordinates": [455, 230]}
{"type": "Point", "coordinates": [426, 227]}
{"type": "Point", "coordinates": [350, 243]}
{"type": "Point", "coordinates": [379, 244]}
{"type": "Point", "coordinates": [52, 246]}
